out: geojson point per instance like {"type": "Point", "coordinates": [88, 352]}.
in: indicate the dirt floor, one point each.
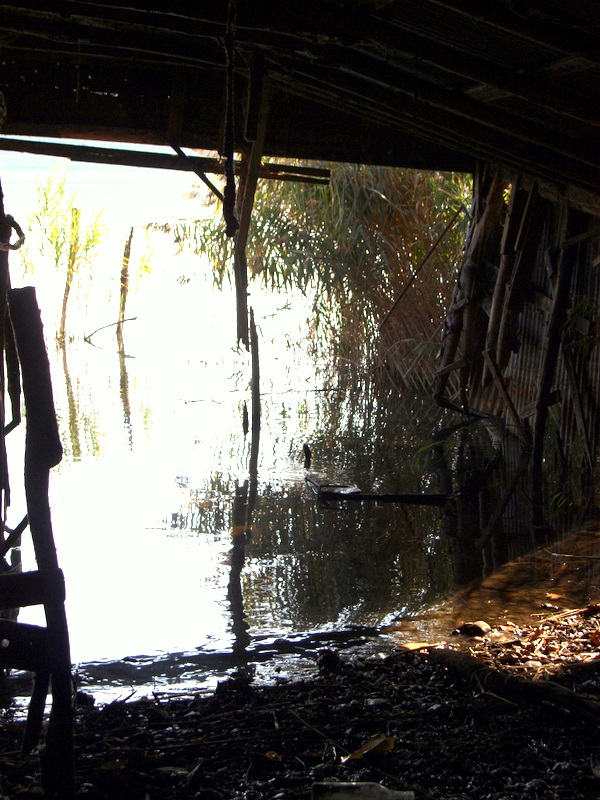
{"type": "Point", "coordinates": [401, 721]}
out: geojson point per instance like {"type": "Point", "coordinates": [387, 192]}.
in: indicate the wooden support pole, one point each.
{"type": "Point", "coordinates": [255, 414]}
{"type": "Point", "coordinates": [13, 379]}
{"type": "Point", "coordinates": [43, 450]}
{"type": "Point", "coordinates": [523, 260]}
{"type": "Point", "coordinates": [573, 384]}
{"type": "Point", "coordinates": [246, 191]}
{"type": "Point", "coordinates": [566, 265]}
{"type": "Point", "coordinates": [5, 231]}
{"type": "Point", "coordinates": [189, 164]}
{"type": "Point", "coordinates": [255, 374]}
{"type": "Point", "coordinates": [255, 95]}
{"type": "Point", "coordinates": [490, 361]}
{"type": "Point", "coordinates": [507, 254]}
{"type": "Point", "coordinates": [229, 200]}
{"type": "Point", "coordinates": [462, 318]}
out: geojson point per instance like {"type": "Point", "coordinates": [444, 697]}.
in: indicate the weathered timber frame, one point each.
{"type": "Point", "coordinates": [521, 336]}
{"type": "Point", "coordinates": [44, 651]}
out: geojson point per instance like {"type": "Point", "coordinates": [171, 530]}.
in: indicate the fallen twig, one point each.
{"type": "Point", "coordinates": [514, 687]}
{"type": "Point", "coordinates": [88, 337]}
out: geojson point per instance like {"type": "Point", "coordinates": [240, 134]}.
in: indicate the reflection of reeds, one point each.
{"type": "Point", "coordinates": [72, 408]}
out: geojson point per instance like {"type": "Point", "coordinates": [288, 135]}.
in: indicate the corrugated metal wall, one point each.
{"type": "Point", "coordinates": [522, 343]}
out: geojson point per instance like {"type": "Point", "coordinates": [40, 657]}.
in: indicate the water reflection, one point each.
{"type": "Point", "coordinates": [257, 557]}
{"type": "Point", "coordinates": [208, 552]}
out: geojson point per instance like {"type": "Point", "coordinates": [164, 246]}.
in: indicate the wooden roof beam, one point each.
{"type": "Point", "coordinates": [484, 117]}
{"type": "Point", "coordinates": [116, 37]}
{"type": "Point", "coordinates": [558, 35]}
{"type": "Point", "coordinates": [152, 160]}
{"type": "Point", "coordinates": [374, 71]}
{"type": "Point", "coordinates": [527, 86]}
{"type": "Point", "coordinates": [454, 132]}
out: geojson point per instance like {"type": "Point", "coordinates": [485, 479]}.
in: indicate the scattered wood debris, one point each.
{"type": "Point", "coordinates": [544, 649]}
{"type": "Point", "coordinates": [400, 720]}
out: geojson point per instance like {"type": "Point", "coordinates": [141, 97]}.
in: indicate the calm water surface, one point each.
{"type": "Point", "coordinates": [186, 553]}
{"type": "Point", "coordinates": [158, 579]}
{"type": "Point", "coordinates": [189, 554]}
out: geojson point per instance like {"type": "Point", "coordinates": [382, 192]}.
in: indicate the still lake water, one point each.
{"type": "Point", "coordinates": [185, 559]}
{"type": "Point", "coordinates": [158, 589]}
{"type": "Point", "coordinates": [169, 586]}
{"type": "Point", "coordinates": [143, 500]}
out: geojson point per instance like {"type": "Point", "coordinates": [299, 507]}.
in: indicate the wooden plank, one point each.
{"type": "Point", "coordinates": [498, 378]}
{"type": "Point", "coordinates": [152, 160]}
{"type": "Point", "coordinates": [19, 589]}
{"type": "Point", "coordinates": [24, 646]}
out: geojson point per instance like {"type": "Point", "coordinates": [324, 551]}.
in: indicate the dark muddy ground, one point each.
{"type": "Point", "coordinates": [438, 735]}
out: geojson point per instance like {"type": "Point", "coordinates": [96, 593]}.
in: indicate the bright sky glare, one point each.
{"type": "Point", "coordinates": [128, 195]}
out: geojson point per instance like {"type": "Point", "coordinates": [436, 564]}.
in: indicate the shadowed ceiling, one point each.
{"type": "Point", "coordinates": [435, 84]}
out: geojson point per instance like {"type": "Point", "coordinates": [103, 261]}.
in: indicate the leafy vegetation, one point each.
{"type": "Point", "coordinates": [60, 236]}
{"type": "Point", "coordinates": [353, 246]}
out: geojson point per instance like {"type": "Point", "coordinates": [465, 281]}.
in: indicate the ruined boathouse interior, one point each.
{"type": "Point", "coordinates": [506, 90]}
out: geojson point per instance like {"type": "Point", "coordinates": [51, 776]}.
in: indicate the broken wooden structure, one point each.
{"type": "Point", "coordinates": [41, 650]}
{"type": "Point", "coordinates": [520, 346]}
{"type": "Point", "coordinates": [505, 90]}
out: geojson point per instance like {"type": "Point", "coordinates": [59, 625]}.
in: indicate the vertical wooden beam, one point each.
{"type": "Point", "coordinates": [248, 181]}
{"type": "Point", "coordinates": [503, 391]}
{"type": "Point", "coordinates": [558, 315]}
{"type": "Point", "coordinates": [43, 450]}
{"type": "Point", "coordinates": [255, 440]}
{"type": "Point", "coordinates": [461, 322]}
{"type": "Point", "coordinates": [576, 399]}
{"type": "Point", "coordinates": [5, 231]}
{"type": "Point", "coordinates": [507, 257]}
{"type": "Point", "coordinates": [519, 285]}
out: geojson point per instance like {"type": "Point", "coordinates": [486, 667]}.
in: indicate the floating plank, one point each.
{"type": "Point", "coordinates": [338, 492]}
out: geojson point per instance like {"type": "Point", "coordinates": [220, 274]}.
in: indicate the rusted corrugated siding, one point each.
{"type": "Point", "coordinates": [580, 379]}
{"type": "Point", "coordinates": [545, 388]}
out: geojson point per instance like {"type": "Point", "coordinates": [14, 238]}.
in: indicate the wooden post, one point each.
{"type": "Point", "coordinates": [462, 317]}
{"type": "Point", "coordinates": [557, 319]}
{"type": "Point", "coordinates": [576, 399]}
{"type": "Point", "coordinates": [248, 181]}
{"type": "Point", "coordinates": [5, 231]}
{"type": "Point", "coordinates": [519, 286]}
{"type": "Point", "coordinates": [43, 450]}
{"type": "Point", "coordinates": [507, 257]}
{"type": "Point", "coordinates": [255, 414]}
